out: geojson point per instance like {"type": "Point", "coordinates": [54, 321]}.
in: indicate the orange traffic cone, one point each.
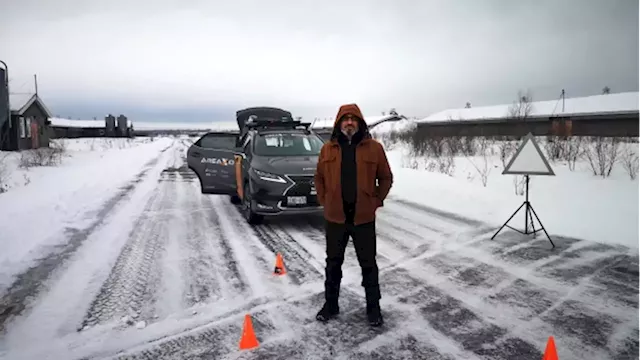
{"type": "Point", "coordinates": [248, 339]}
{"type": "Point", "coordinates": [550, 352]}
{"type": "Point", "coordinates": [279, 270]}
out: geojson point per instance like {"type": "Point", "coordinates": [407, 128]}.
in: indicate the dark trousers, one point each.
{"type": "Point", "coordinates": [364, 242]}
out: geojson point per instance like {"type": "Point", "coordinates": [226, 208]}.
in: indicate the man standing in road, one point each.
{"type": "Point", "coordinates": [352, 180]}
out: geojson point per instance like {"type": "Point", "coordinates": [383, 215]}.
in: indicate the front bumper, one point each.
{"type": "Point", "coordinates": [271, 198]}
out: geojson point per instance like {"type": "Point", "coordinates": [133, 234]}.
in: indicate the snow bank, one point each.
{"type": "Point", "coordinates": [572, 203]}
{"type": "Point", "coordinates": [610, 103]}
{"type": "Point", "coordinates": [35, 216]}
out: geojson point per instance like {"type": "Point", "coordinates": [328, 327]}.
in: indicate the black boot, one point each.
{"type": "Point", "coordinates": [329, 310]}
{"type": "Point", "coordinates": [373, 314]}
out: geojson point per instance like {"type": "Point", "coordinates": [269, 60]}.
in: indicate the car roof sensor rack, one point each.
{"type": "Point", "coordinates": [272, 124]}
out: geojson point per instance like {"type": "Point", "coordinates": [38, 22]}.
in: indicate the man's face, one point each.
{"type": "Point", "coordinates": [349, 125]}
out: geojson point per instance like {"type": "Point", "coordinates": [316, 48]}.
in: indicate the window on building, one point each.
{"type": "Point", "coordinates": [23, 132]}
{"type": "Point", "coordinates": [28, 126]}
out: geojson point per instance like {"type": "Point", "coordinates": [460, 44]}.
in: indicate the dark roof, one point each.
{"type": "Point", "coordinates": [19, 103]}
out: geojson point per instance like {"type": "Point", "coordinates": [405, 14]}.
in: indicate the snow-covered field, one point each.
{"type": "Point", "coordinates": [114, 253]}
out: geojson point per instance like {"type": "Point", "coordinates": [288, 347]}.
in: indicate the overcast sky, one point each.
{"type": "Point", "coordinates": [203, 60]}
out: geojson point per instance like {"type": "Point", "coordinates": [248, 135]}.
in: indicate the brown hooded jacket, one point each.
{"type": "Point", "coordinates": [372, 165]}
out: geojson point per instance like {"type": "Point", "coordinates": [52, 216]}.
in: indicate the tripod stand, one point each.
{"type": "Point", "coordinates": [528, 214]}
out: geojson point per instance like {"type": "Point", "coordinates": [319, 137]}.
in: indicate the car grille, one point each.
{"type": "Point", "coordinates": [298, 179]}
{"type": "Point", "coordinates": [302, 186]}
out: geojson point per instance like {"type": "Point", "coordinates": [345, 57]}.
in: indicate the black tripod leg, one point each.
{"type": "Point", "coordinates": [506, 222]}
{"type": "Point", "coordinates": [542, 226]}
{"type": "Point", "coordinates": [532, 224]}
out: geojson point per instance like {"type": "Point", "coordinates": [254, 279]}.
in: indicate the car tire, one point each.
{"type": "Point", "coordinates": [247, 208]}
{"type": "Point", "coordinates": [235, 200]}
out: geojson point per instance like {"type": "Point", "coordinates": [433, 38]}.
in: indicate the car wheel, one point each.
{"type": "Point", "coordinates": [251, 217]}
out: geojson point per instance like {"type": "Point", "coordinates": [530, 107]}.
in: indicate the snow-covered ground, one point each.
{"type": "Point", "coordinates": [44, 205]}
{"type": "Point", "coordinates": [115, 253]}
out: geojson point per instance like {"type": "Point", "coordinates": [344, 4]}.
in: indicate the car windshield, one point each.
{"type": "Point", "coordinates": [287, 145]}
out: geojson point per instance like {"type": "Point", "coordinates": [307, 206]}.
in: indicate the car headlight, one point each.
{"type": "Point", "coordinates": [269, 176]}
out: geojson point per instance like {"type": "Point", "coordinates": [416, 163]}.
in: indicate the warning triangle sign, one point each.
{"type": "Point", "coordinates": [528, 160]}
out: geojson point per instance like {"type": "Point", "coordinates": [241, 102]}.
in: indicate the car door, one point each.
{"type": "Point", "coordinates": [212, 157]}
{"type": "Point", "coordinates": [243, 163]}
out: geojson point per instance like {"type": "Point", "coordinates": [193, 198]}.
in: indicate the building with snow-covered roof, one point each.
{"type": "Point", "coordinates": [28, 127]}
{"type": "Point", "coordinates": [110, 126]}
{"type": "Point", "coordinates": [68, 128]}
{"type": "Point", "coordinates": [614, 115]}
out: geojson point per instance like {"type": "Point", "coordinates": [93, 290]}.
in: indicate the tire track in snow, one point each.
{"type": "Point", "coordinates": [213, 342]}
{"type": "Point", "coordinates": [171, 290]}
{"type": "Point", "coordinates": [29, 283]}
{"type": "Point", "coordinates": [219, 243]}
{"type": "Point", "coordinates": [419, 230]}
{"type": "Point", "coordinates": [407, 238]}
{"type": "Point", "coordinates": [201, 266]}
{"type": "Point", "coordinates": [421, 219]}
{"type": "Point", "coordinates": [130, 286]}
{"type": "Point", "coordinates": [250, 261]}
{"type": "Point", "coordinates": [151, 297]}
{"type": "Point", "coordinates": [452, 218]}
{"type": "Point", "coordinates": [297, 260]}
{"type": "Point", "coordinates": [296, 239]}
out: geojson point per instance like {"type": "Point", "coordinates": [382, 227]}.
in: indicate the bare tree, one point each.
{"type": "Point", "coordinates": [484, 167]}
{"type": "Point", "coordinates": [519, 184]}
{"type": "Point", "coordinates": [468, 145]}
{"type": "Point", "coordinates": [506, 148]}
{"type": "Point", "coordinates": [606, 90]}
{"type": "Point", "coordinates": [467, 105]}
{"type": "Point", "coordinates": [602, 154]}
{"type": "Point", "coordinates": [573, 150]}
{"type": "Point", "coordinates": [521, 109]}
{"type": "Point", "coordinates": [630, 162]}
{"type": "Point", "coordinates": [558, 146]}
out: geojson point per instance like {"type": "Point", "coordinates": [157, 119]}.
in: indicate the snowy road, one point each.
{"type": "Point", "coordinates": [185, 268]}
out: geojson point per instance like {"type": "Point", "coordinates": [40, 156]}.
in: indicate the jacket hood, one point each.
{"type": "Point", "coordinates": [350, 109]}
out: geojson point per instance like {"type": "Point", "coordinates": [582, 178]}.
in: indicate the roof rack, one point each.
{"type": "Point", "coordinates": [272, 124]}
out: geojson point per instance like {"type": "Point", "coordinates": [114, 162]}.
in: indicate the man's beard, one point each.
{"type": "Point", "coordinates": [349, 132]}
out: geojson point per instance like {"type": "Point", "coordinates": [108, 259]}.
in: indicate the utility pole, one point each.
{"type": "Point", "coordinates": [5, 85]}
